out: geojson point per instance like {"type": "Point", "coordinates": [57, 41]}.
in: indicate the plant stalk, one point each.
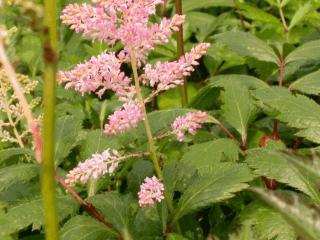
{"type": "Point", "coordinates": [180, 49]}
{"type": "Point", "coordinates": [283, 20]}
{"type": "Point", "coordinates": [147, 127]}
{"type": "Point", "coordinates": [48, 184]}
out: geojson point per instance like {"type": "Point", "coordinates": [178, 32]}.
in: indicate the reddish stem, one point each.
{"type": "Point", "coordinates": [223, 128]}
{"type": "Point", "coordinates": [87, 206]}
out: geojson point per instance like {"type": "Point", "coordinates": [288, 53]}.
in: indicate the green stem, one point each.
{"type": "Point", "coordinates": [180, 49]}
{"type": "Point", "coordinates": [151, 144]}
{"type": "Point", "coordinates": [48, 170]}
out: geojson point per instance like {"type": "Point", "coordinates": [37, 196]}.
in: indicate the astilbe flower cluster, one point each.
{"type": "Point", "coordinates": [190, 123]}
{"type": "Point", "coordinates": [97, 75]}
{"type": "Point", "coordinates": [151, 191]}
{"type": "Point", "coordinates": [122, 119]}
{"type": "Point", "coordinates": [94, 167]}
{"type": "Point", "coordinates": [127, 21]}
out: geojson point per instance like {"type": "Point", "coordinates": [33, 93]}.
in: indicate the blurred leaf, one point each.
{"type": "Point", "coordinates": [257, 14]}
{"type": "Point", "coordinates": [67, 130]}
{"type": "Point", "coordinates": [86, 228]}
{"type": "Point", "coordinates": [12, 152]}
{"type": "Point", "coordinates": [303, 219]}
{"type": "Point", "coordinates": [308, 84]}
{"type": "Point", "coordinates": [189, 5]}
{"type": "Point", "coordinates": [248, 45]}
{"type": "Point", "coordinates": [266, 223]}
{"type": "Point", "coordinates": [300, 14]}
{"type": "Point", "coordinates": [19, 173]}
{"type": "Point", "coordinates": [30, 212]}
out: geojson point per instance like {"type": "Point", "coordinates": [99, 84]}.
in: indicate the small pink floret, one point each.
{"type": "Point", "coordinates": [191, 122]}
{"type": "Point", "coordinates": [151, 191]}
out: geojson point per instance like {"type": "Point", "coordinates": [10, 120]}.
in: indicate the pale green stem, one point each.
{"type": "Point", "coordinates": [48, 185]}
{"type": "Point", "coordinates": [151, 144]}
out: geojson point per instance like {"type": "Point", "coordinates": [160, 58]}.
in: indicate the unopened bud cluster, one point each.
{"type": "Point", "coordinates": [13, 128]}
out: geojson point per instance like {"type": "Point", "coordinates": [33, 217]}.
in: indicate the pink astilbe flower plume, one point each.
{"type": "Point", "coordinates": [151, 191]}
{"type": "Point", "coordinates": [166, 75]}
{"type": "Point", "coordinates": [122, 119]}
{"type": "Point", "coordinates": [191, 122]}
{"type": "Point", "coordinates": [97, 75]}
{"type": "Point", "coordinates": [124, 20]}
{"type": "Point", "coordinates": [94, 167]}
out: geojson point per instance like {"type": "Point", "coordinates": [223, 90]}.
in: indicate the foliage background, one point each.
{"type": "Point", "coordinates": [252, 52]}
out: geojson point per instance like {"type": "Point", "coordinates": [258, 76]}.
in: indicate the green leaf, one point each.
{"type": "Point", "coordinates": [257, 14]}
{"type": "Point", "coordinates": [175, 236]}
{"type": "Point", "coordinates": [300, 14]}
{"type": "Point", "coordinates": [86, 228]}
{"type": "Point", "coordinates": [30, 212]}
{"type": "Point", "coordinates": [245, 80]}
{"type": "Point", "coordinates": [67, 130]}
{"type": "Point", "coordinates": [296, 110]}
{"type": "Point", "coordinates": [214, 186]}
{"type": "Point", "coordinates": [19, 173]}
{"type": "Point", "coordinates": [96, 142]}
{"type": "Point", "coordinates": [12, 152]}
{"type": "Point", "coordinates": [189, 5]}
{"type": "Point", "coordinates": [309, 51]}
{"type": "Point", "coordinates": [304, 220]}
{"type": "Point", "coordinates": [115, 208]}
{"type": "Point", "coordinates": [266, 223]}
{"type": "Point", "coordinates": [200, 156]}
{"type": "Point", "coordinates": [308, 84]}
{"type": "Point", "coordinates": [272, 165]}
{"type": "Point", "coordinates": [248, 45]}
{"type": "Point", "coordinates": [238, 108]}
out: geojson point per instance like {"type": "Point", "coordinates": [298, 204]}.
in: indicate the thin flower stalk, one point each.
{"type": "Point", "coordinates": [180, 49]}
{"type": "Point", "coordinates": [151, 143]}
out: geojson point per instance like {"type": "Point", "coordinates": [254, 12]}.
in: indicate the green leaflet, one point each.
{"type": "Point", "coordinates": [96, 142]}
{"type": "Point", "coordinates": [308, 84]}
{"type": "Point", "coordinates": [238, 108]}
{"type": "Point", "coordinates": [86, 228]}
{"type": "Point", "coordinates": [272, 165]}
{"type": "Point", "coordinates": [213, 186]}
{"type": "Point", "coordinates": [297, 111]}
{"type": "Point", "coordinates": [306, 52]}
{"type": "Point", "coordinates": [248, 45]}
{"type": "Point", "coordinates": [115, 208]}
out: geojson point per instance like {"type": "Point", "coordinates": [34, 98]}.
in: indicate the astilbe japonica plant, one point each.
{"type": "Point", "coordinates": [128, 22]}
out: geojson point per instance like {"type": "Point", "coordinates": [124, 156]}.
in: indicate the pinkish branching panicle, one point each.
{"type": "Point", "coordinates": [127, 21]}
{"type": "Point", "coordinates": [122, 119]}
{"type": "Point", "coordinates": [97, 75]}
{"type": "Point", "coordinates": [94, 167]}
{"type": "Point", "coordinates": [190, 123]}
{"type": "Point", "coordinates": [151, 191]}
{"type": "Point", "coordinates": [166, 75]}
